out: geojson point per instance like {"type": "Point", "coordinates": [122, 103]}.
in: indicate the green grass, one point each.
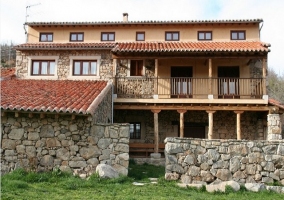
{"type": "Point", "coordinates": [58, 185]}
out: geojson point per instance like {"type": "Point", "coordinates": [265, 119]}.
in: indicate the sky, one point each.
{"type": "Point", "coordinates": [14, 13]}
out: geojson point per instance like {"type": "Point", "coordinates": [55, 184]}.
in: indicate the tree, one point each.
{"type": "Point", "coordinates": [275, 87]}
{"type": "Point", "coordinates": [8, 55]}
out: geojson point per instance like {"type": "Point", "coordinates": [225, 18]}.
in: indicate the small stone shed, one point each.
{"type": "Point", "coordinates": [47, 124]}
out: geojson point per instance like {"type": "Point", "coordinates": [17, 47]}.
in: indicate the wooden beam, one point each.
{"type": "Point", "coordinates": [3, 114]}
{"type": "Point", "coordinates": [31, 115]}
{"type": "Point", "coordinates": [191, 107]}
{"type": "Point", "coordinates": [73, 117]}
{"type": "Point", "coordinates": [17, 114]}
{"type": "Point", "coordinates": [42, 115]}
{"type": "Point", "coordinates": [56, 116]}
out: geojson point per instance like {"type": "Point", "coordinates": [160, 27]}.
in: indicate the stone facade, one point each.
{"type": "Point", "coordinates": [253, 124]}
{"type": "Point", "coordinates": [64, 65]}
{"type": "Point", "coordinates": [76, 145]}
{"type": "Point", "coordinates": [202, 160]}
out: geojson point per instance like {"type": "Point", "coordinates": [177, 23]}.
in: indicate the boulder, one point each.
{"type": "Point", "coordinates": [106, 171]}
{"type": "Point", "coordinates": [254, 187]}
{"type": "Point", "coordinates": [222, 186]}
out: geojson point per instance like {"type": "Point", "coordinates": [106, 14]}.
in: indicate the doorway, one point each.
{"type": "Point", "coordinates": [181, 82]}
{"type": "Point", "coordinates": [228, 82]}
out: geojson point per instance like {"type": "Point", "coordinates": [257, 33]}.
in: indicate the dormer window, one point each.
{"type": "Point", "coordinates": [238, 35]}
{"type": "Point", "coordinates": [204, 35]}
{"type": "Point", "coordinates": [76, 37]}
{"type": "Point", "coordinates": [172, 36]}
{"type": "Point", "coordinates": [46, 37]}
{"type": "Point", "coordinates": [107, 36]}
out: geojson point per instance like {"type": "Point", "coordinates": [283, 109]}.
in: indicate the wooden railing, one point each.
{"type": "Point", "coordinates": [184, 87]}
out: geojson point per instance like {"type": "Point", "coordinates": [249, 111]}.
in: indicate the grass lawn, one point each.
{"type": "Point", "coordinates": [58, 185]}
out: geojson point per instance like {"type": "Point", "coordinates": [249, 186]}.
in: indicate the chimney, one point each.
{"type": "Point", "coordinates": [125, 17]}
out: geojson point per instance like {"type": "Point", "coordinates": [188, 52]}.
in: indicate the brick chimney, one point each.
{"type": "Point", "coordinates": [125, 17]}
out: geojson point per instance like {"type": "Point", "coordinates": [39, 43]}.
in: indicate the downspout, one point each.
{"type": "Point", "coordinates": [112, 103]}
{"type": "Point", "coordinates": [260, 28]}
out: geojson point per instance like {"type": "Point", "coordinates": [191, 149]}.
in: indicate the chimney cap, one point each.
{"type": "Point", "coordinates": [125, 14]}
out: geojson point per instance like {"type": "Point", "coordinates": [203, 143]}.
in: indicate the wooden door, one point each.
{"type": "Point", "coordinates": [228, 82]}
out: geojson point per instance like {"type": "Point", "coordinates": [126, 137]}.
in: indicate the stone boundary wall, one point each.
{"type": "Point", "coordinates": [74, 145]}
{"type": "Point", "coordinates": [210, 161]}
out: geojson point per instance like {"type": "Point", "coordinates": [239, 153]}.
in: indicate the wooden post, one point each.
{"type": "Point", "coordinates": [156, 130]}
{"type": "Point", "coordinates": [239, 134]}
{"type": "Point", "coordinates": [210, 75]}
{"type": "Point", "coordinates": [210, 120]}
{"type": "Point", "coordinates": [181, 122]}
{"type": "Point", "coordinates": [156, 76]}
{"type": "Point", "coordinates": [17, 114]}
{"type": "Point", "coordinates": [264, 68]}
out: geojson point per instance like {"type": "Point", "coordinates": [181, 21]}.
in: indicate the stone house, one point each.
{"type": "Point", "coordinates": [195, 78]}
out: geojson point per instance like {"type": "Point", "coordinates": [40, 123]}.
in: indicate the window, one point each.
{"type": "Point", "coordinates": [140, 36]}
{"type": "Point", "coordinates": [136, 67]}
{"type": "Point", "coordinates": [108, 36]}
{"type": "Point", "coordinates": [43, 67]}
{"type": "Point", "coordinates": [76, 37]}
{"type": "Point", "coordinates": [238, 35]}
{"type": "Point", "coordinates": [204, 35]}
{"type": "Point", "coordinates": [46, 37]}
{"type": "Point", "coordinates": [172, 36]}
{"type": "Point", "coordinates": [86, 67]}
{"type": "Point", "coordinates": [135, 130]}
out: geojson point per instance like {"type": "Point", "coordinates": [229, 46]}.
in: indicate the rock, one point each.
{"type": "Point", "coordinates": [174, 168]}
{"type": "Point", "coordinates": [46, 131]}
{"type": "Point", "coordinates": [8, 144]}
{"type": "Point", "coordinates": [90, 152]}
{"type": "Point", "coordinates": [255, 187]}
{"type": "Point", "coordinates": [106, 171]}
{"type": "Point", "coordinates": [52, 142]}
{"type": "Point", "coordinates": [267, 180]}
{"type": "Point", "coordinates": [113, 133]}
{"type": "Point", "coordinates": [193, 171]}
{"type": "Point", "coordinates": [30, 151]}
{"type": "Point", "coordinates": [73, 127]}
{"type": "Point", "coordinates": [33, 136]}
{"type": "Point", "coordinates": [189, 159]}
{"type": "Point", "coordinates": [280, 150]}
{"type": "Point", "coordinates": [122, 148]}
{"type": "Point", "coordinates": [185, 179]}
{"type": "Point", "coordinates": [172, 148]}
{"type": "Point", "coordinates": [47, 161]}
{"type": "Point", "coordinates": [63, 154]}
{"type": "Point", "coordinates": [120, 169]}
{"type": "Point", "coordinates": [222, 186]}
{"type": "Point", "coordinates": [235, 164]}
{"type": "Point", "coordinates": [104, 143]}
{"type": "Point", "coordinates": [239, 175]}
{"type": "Point", "coordinates": [137, 184]}
{"type": "Point", "coordinates": [224, 174]}
{"type": "Point", "coordinates": [207, 176]}
{"type": "Point", "coordinates": [212, 154]}
{"type": "Point", "coordinates": [277, 189]}
{"type": "Point", "coordinates": [270, 149]}
{"type": "Point", "coordinates": [171, 176]}
{"type": "Point", "coordinates": [155, 155]}
{"type": "Point", "coordinates": [16, 134]}
{"type": "Point", "coordinates": [124, 132]}
{"type": "Point", "coordinates": [77, 164]}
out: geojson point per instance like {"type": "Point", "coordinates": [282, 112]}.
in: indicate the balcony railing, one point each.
{"type": "Point", "coordinates": [184, 87]}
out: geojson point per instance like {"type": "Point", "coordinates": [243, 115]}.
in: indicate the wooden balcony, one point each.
{"type": "Point", "coordinates": [189, 88]}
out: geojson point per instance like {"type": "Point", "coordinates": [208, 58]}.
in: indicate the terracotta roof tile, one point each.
{"type": "Point", "coordinates": [7, 73]}
{"type": "Point", "coordinates": [224, 21]}
{"type": "Point", "coordinates": [276, 103]}
{"type": "Point", "coordinates": [70, 45]}
{"type": "Point", "coordinates": [50, 95]}
{"type": "Point", "coordinates": [232, 46]}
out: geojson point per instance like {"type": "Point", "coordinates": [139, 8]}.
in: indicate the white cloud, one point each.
{"type": "Point", "coordinates": [13, 14]}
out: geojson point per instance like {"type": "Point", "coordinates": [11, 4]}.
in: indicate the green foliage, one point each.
{"type": "Point", "coordinates": [275, 87]}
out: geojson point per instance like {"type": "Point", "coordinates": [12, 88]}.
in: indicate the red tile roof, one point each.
{"type": "Point", "coordinates": [7, 73]}
{"type": "Point", "coordinates": [276, 103]}
{"type": "Point", "coordinates": [62, 46]}
{"type": "Point", "coordinates": [99, 23]}
{"type": "Point", "coordinates": [232, 46]}
{"type": "Point", "coordinates": [64, 96]}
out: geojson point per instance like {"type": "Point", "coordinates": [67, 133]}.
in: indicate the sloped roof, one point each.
{"type": "Point", "coordinates": [59, 96]}
{"type": "Point", "coordinates": [145, 22]}
{"type": "Point", "coordinates": [65, 46]}
{"type": "Point", "coordinates": [119, 47]}
{"type": "Point", "coordinates": [7, 73]}
{"type": "Point", "coordinates": [276, 103]}
{"type": "Point", "coordinates": [231, 46]}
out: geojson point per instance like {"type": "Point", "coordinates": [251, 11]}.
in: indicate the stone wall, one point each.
{"type": "Point", "coordinates": [202, 160]}
{"type": "Point", "coordinates": [63, 65]}
{"type": "Point", "coordinates": [76, 145]}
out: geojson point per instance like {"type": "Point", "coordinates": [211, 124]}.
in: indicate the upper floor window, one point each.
{"type": "Point", "coordinates": [46, 37]}
{"type": "Point", "coordinates": [84, 67]}
{"type": "Point", "coordinates": [140, 36]}
{"type": "Point", "coordinates": [172, 36]}
{"type": "Point", "coordinates": [238, 35]}
{"type": "Point", "coordinates": [136, 67]}
{"type": "Point", "coordinates": [76, 37]}
{"type": "Point", "coordinates": [204, 35]}
{"type": "Point", "coordinates": [107, 36]}
{"type": "Point", "coordinates": [43, 67]}
{"type": "Point", "coordinates": [135, 130]}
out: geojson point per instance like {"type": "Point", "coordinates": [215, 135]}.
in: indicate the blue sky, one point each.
{"type": "Point", "coordinates": [13, 14]}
